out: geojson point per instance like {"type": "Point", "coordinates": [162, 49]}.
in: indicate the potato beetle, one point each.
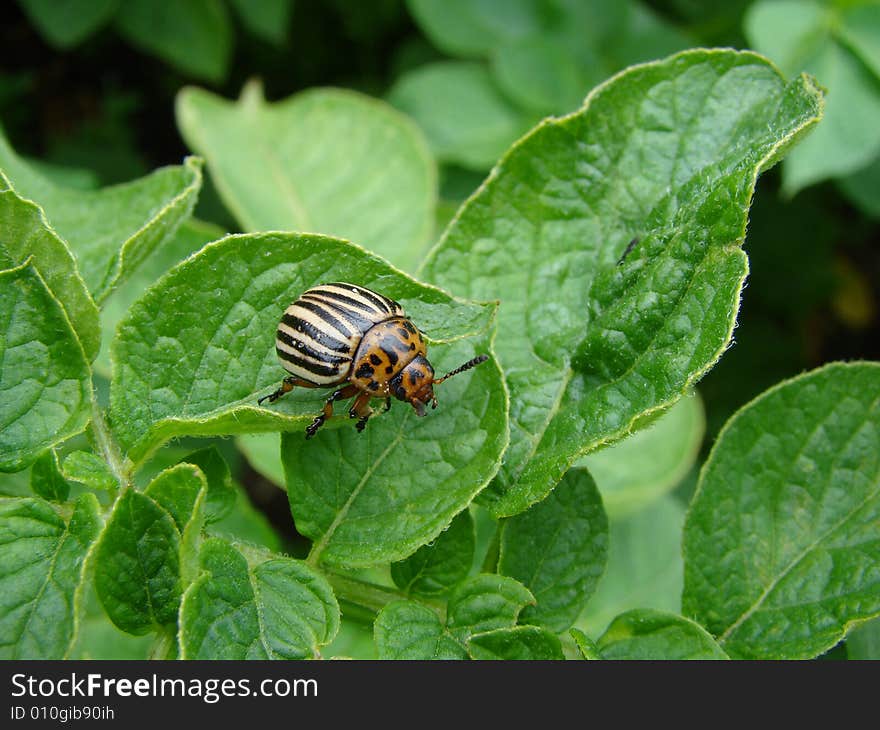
{"type": "Point", "coordinates": [339, 333]}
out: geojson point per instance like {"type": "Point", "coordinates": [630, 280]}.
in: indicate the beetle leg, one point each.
{"type": "Point", "coordinates": [286, 386]}
{"type": "Point", "coordinates": [347, 392]}
{"type": "Point", "coordinates": [361, 410]}
{"type": "Point", "coordinates": [387, 406]}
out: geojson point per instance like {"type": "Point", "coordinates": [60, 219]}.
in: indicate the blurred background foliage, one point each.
{"type": "Point", "coordinates": [88, 90]}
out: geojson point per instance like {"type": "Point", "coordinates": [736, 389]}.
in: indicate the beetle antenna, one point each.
{"type": "Point", "coordinates": [461, 368]}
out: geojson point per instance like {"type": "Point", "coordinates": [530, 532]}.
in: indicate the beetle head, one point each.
{"type": "Point", "coordinates": [415, 383]}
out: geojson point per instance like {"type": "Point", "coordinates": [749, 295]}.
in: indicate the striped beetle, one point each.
{"type": "Point", "coordinates": [343, 333]}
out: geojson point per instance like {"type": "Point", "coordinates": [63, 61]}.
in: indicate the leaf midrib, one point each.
{"type": "Point", "coordinates": [319, 547]}
{"type": "Point", "coordinates": [751, 610]}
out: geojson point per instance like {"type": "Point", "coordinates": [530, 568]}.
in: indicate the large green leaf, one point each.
{"type": "Point", "coordinates": [650, 462]}
{"type": "Point", "coordinates": [374, 497]}
{"type": "Point", "coordinates": [45, 387]}
{"type": "Point", "coordinates": [837, 44]}
{"type": "Point", "coordinates": [110, 231]}
{"type": "Point", "coordinates": [137, 565]}
{"type": "Point", "coordinates": [324, 161]}
{"type": "Point", "coordinates": [24, 233]}
{"type": "Point", "coordinates": [195, 36]}
{"type": "Point", "coordinates": [658, 155]}
{"type": "Point", "coordinates": [41, 569]}
{"type": "Point", "coordinates": [782, 539]}
{"type": "Point", "coordinates": [558, 549]}
{"type": "Point", "coordinates": [197, 350]}
{"type": "Point", "coordinates": [276, 609]}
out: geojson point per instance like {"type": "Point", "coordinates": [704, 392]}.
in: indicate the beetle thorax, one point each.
{"type": "Point", "coordinates": [384, 352]}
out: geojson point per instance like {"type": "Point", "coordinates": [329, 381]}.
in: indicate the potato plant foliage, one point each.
{"type": "Point", "coordinates": [600, 265]}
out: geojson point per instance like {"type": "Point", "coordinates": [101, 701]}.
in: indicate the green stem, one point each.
{"type": "Point", "coordinates": [107, 445]}
{"type": "Point", "coordinates": [493, 552]}
{"type": "Point", "coordinates": [164, 646]}
{"type": "Point", "coordinates": [367, 599]}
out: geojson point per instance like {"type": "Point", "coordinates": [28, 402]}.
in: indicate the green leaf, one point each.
{"type": "Point", "coordinates": [67, 23]}
{"type": "Point", "coordinates": [41, 568]}
{"type": "Point", "coordinates": [485, 602]}
{"type": "Point", "coordinates": [263, 453]}
{"type": "Point", "coordinates": [590, 345]}
{"type": "Point", "coordinates": [645, 568]}
{"type": "Point", "coordinates": [46, 478]}
{"type": "Point", "coordinates": [194, 36]}
{"type": "Point", "coordinates": [45, 387]}
{"type": "Point", "coordinates": [518, 643]}
{"type": "Point", "coordinates": [112, 230]}
{"type": "Point", "coordinates": [137, 565]}
{"type": "Point", "coordinates": [99, 638]}
{"type": "Point", "coordinates": [860, 31]}
{"type": "Point", "coordinates": [325, 161]}
{"type": "Point", "coordinates": [863, 642]}
{"type": "Point", "coordinates": [782, 539]}
{"type": "Point", "coordinates": [278, 609]}
{"type": "Point", "coordinates": [183, 491]}
{"type": "Point", "coordinates": [802, 35]}
{"type": "Point", "coordinates": [558, 549]}
{"type": "Point", "coordinates": [409, 630]}
{"type": "Point", "coordinates": [176, 490]}
{"type": "Point", "coordinates": [194, 354]}
{"type": "Point", "coordinates": [650, 635]}
{"type": "Point", "coordinates": [585, 645]}
{"type": "Point", "coordinates": [189, 238]}
{"type": "Point", "coordinates": [435, 568]}
{"type": "Point", "coordinates": [244, 522]}
{"type": "Point", "coordinates": [472, 29]}
{"type": "Point", "coordinates": [543, 75]}
{"type": "Point", "coordinates": [25, 234]}
{"type": "Point", "coordinates": [466, 119]}
{"type": "Point", "coordinates": [650, 462]}
{"type": "Point", "coordinates": [266, 19]}
{"type": "Point", "coordinates": [375, 497]}
{"type": "Point", "coordinates": [88, 468]}
{"type": "Point", "coordinates": [221, 492]}
{"type": "Point", "coordinates": [863, 188]}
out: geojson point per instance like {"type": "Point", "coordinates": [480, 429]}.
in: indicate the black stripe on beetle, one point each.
{"type": "Point", "coordinates": [303, 348]}
{"type": "Point", "coordinates": [358, 320]}
{"type": "Point", "coordinates": [314, 334]}
{"type": "Point", "coordinates": [321, 311]}
{"type": "Point", "coordinates": [383, 302]}
{"type": "Point", "coordinates": [339, 297]}
{"type": "Point", "coordinates": [312, 367]}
